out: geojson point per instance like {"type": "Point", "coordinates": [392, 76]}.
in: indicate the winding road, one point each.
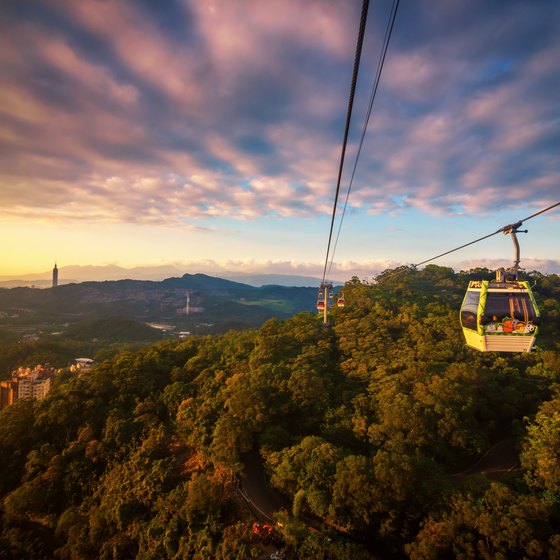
{"type": "Point", "coordinates": [501, 458]}
{"type": "Point", "coordinates": [260, 497]}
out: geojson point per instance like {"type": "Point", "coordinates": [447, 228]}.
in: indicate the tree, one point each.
{"type": "Point", "coordinates": [354, 493]}
{"type": "Point", "coordinates": [499, 524]}
{"type": "Point", "coordinates": [541, 450]}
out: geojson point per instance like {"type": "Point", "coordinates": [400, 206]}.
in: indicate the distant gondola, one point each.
{"type": "Point", "coordinates": [501, 316]}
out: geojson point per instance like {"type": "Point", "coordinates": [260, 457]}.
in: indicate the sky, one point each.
{"type": "Point", "coordinates": [208, 134]}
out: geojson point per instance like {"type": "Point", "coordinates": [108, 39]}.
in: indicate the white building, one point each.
{"type": "Point", "coordinates": [41, 387]}
{"type": "Point", "coordinates": [33, 383]}
{"type": "Point", "coordinates": [25, 388]}
{"type": "Point", "coordinates": [82, 364]}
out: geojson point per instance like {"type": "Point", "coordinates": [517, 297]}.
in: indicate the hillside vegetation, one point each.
{"type": "Point", "coordinates": [99, 339]}
{"type": "Point", "coordinates": [364, 426]}
{"type": "Point", "coordinates": [215, 304]}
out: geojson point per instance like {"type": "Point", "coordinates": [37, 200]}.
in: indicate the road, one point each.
{"type": "Point", "coordinates": [260, 497]}
{"type": "Point", "coordinates": [501, 458]}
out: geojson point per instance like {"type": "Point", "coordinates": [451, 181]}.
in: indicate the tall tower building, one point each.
{"type": "Point", "coordinates": [55, 276]}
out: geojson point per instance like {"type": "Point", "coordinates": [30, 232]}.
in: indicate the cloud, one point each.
{"type": "Point", "coordinates": [149, 111]}
{"type": "Point", "coordinates": [197, 111]}
{"type": "Point", "coordinates": [545, 266]}
{"type": "Point", "coordinates": [341, 271]}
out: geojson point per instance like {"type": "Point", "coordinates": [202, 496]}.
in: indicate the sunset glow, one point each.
{"type": "Point", "coordinates": [143, 133]}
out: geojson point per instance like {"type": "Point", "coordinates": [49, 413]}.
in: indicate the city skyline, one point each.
{"type": "Point", "coordinates": [208, 137]}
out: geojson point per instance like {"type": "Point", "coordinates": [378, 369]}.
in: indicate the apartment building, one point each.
{"type": "Point", "coordinates": [26, 383]}
{"type": "Point", "coordinates": [8, 392]}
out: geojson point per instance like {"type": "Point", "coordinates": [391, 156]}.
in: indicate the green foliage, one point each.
{"type": "Point", "coordinates": [16, 441]}
{"type": "Point", "coordinates": [7, 336]}
{"type": "Point", "coordinates": [55, 353]}
{"type": "Point", "coordinates": [114, 328]}
{"type": "Point", "coordinates": [541, 450]}
{"type": "Point", "coordinates": [500, 524]}
{"type": "Point", "coordinates": [362, 426]}
{"type": "Point", "coordinates": [317, 547]}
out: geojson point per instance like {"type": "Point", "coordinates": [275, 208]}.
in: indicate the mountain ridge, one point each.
{"type": "Point", "coordinates": [190, 302]}
{"type": "Point", "coordinates": [74, 274]}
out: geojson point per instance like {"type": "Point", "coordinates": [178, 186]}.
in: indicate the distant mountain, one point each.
{"type": "Point", "coordinates": [74, 274]}
{"type": "Point", "coordinates": [192, 302]}
{"type": "Point", "coordinates": [276, 279]}
{"type": "Point", "coordinates": [204, 282]}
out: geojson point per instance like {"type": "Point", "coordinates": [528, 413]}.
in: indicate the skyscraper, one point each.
{"type": "Point", "coordinates": [55, 276]}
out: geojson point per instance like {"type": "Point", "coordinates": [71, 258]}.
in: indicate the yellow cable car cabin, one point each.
{"type": "Point", "coordinates": [500, 316]}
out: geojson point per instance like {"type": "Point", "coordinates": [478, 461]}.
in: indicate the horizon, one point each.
{"type": "Point", "coordinates": [139, 132]}
{"type": "Point", "coordinates": [114, 272]}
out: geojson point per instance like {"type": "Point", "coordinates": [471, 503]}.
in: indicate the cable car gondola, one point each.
{"type": "Point", "coordinates": [340, 301]}
{"type": "Point", "coordinates": [500, 316]}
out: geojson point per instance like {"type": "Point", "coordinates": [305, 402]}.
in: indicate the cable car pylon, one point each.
{"type": "Point", "coordinates": [325, 293]}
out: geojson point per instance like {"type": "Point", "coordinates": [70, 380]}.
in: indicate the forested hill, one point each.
{"type": "Point", "coordinates": [205, 282]}
{"type": "Point", "coordinates": [211, 300]}
{"type": "Point", "coordinates": [367, 427]}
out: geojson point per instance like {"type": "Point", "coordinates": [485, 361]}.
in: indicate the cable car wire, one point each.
{"type": "Point", "coordinates": [504, 229]}
{"type": "Point", "coordinates": [387, 38]}
{"type": "Point", "coordinates": [363, 18]}
{"type": "Point", "coordinates": [407, 268]}
{"type": "Point", "coordinates": [537, 213]}
{"type": "Point", "coordinates": [361, 32]}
